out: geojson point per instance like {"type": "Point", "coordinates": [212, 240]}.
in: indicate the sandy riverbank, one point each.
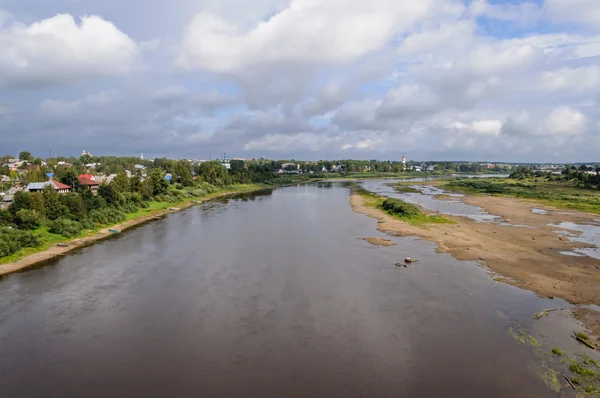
{"type": "Point", "coordinates": [53, 252]}
{"type": "Point", "coordinates": [526, 257]}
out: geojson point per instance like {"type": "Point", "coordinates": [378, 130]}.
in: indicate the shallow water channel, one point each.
{"type": "Point", "coordinates": [264, 295]}
{"type": "Point", "coordinates": [426, 198]}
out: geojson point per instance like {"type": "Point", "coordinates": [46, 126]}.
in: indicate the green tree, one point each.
{"type": "Point", "coordinates": [214, 173]}
{"type": "Point", "coordinates": [135, 183]}
{"type": "Point", "coordinates": [75, 205]}
{"type": "Point", "coordinates": [85, 159]}
{"type": "Point", "coordinates": [236, 165]}
{"type": "Point", "coordinates": [20, 201]}
{"type": "Point", "coordinates": [158, 183]}
{"type": "Point", "coordinates": [28, 219]}
{"type": "Point", "coordinates": [36, 202]}
{"type": "Point", "coordinates": [25, 155]}
{"type": "Point", "coordinates": [121, 182]}
{"type": "Point", "coordinates": [35, 175]}
{"type": "Point", "coordinates": [38, 161]}
{"type": "Point", "coordinates": [182, 173]}
{"type": "Point", "coordinates": [108, 193]}
{"type": "Point", "coordinates": [54, 207]}
{"type": "Point", "coordinates": [146, 189]}
{"type": "Point", "coordinates": [70, 177]}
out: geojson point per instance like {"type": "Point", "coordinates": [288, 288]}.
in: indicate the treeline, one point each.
{"type": "Point", "coordinates": [580, 177]}
{"type": "Point", "coordinates": [31, 213]}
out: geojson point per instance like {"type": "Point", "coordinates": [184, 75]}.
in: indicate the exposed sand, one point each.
{"type": "Point", "coordinates": [53, 252]}
{"type": "Point", "coordinates": [379, 241]}
{"type": "Point", "coordinates": [528, 257]}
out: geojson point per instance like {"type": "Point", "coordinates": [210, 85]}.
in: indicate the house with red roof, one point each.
{"type": "Point", "coordinates": [57, 186]}
{"type": "Point", "coordinates": [88, 180]}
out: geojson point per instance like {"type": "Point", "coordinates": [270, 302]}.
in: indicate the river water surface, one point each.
{"type": "Point", "coordinates": [266, 295]}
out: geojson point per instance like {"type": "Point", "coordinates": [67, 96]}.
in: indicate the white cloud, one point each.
{"type": "Point", "coordinates": [523, 13]}
{"type": "Point", "coordinates": [582, 11]}
{"type": "Point", "coordinates": [480, 127]}
{"type": "Point", "coordinates": [313, 31]}
{"type": "Point", "coordinates": [59, 49]}
{"type": "Point", "coordinates": [562, 121]}
{"type": "Point", "coordinates": [582, 78]}
{"type": "Point", "coordinates": [565, 121]}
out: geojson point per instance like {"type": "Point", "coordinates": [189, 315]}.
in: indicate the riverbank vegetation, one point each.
{"type": "Point", "coordinates": [399, 209]}
{"type": "Point", "coordinates": [553, 193]}
{"type": "Point", "coordinates": [36, 220]}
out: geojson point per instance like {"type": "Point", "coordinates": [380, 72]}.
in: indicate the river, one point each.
{"type": "Point", "coordinates": [263, 295]}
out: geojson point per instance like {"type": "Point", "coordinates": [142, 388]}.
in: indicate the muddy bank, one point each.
{"type": "Point", "coordinates": [378, 241]}
{"type": "Point", "coordinates": [528, 257]}
{"type": "Point", "coordinates": [591, 319]}
{"type": "Point", "coordinates": [42, 257]}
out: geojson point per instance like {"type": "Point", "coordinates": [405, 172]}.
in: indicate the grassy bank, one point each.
{"type": "Point", "coordinates": [556, 194]}
{"type": "Point", "coordinates": [48, 239]}
{"type": "Point", "coordinates": [399, 209]}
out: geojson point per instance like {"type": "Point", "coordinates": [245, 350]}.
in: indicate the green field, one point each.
{"type": "Point", "coordinates": [556, 194]}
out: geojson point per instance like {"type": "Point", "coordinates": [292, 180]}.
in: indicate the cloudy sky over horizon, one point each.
{"type": "Point", "coordinates": [497, 80]}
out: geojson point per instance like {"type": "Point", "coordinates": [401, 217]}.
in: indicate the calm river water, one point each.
{"type": "Point", "coordinates": [266, 295]}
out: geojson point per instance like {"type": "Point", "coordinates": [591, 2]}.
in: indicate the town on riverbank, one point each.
{"type": "Point", "coordinates": [533, 226]}
{"type": "Point", "coordinates": [44, 202]}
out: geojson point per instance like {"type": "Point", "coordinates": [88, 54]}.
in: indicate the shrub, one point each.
{"type": "Point", "coordinates": [65, 227]}
{"type": "Point", "coordinates": [109, 215]}
{"type": "Point", "coordinates": [400, 208]}
{"type": "Point", "coordinates": [13, 240]}
{"type": "Point", "coordinates": [28, 219]}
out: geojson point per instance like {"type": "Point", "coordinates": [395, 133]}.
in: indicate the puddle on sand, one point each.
{"type": "Point", "coordinates": [588, 234]}
{"type": "Point", "coordinates": [506, 224]}
{"type": "Point", "coordinates": [572, 254]}
{"type": "Point", "coordinates": [539, 211]}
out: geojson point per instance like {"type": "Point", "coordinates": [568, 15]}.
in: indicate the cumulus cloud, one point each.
{"type": "Point", "coordinates": [60, 49]}
{"type": "Point", "coordinates": [579, 11]}
{"type": "Point", "coordinates": [440, 79]}
{"type": "Point", "coordinates": [561, 121]}
{"type": "Point", "coordinates": [310, 31]}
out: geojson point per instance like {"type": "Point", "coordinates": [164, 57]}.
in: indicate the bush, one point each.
{"type": "Point", "coordinates": [28, 219]}
{"type": "Point", "coordinates": [106, 216]}
{"type": "Point", "coordinates": [12, 240]}
{"type": "Point", "coordinates": [87, 224]}
{"type": "Point", "coordinates": [400, 208]}
{"type": "Point", "coordinates": [65, 227]}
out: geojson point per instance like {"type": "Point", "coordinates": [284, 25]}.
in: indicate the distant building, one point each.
{"type": "Point", "coordinates": [58, 186]}
{"type": "Point", "coordinates": [288, 165]}
{"type": "Point", "coordinates": [6, 201]}
{"type": "Point", "coordinates": [89, 181]}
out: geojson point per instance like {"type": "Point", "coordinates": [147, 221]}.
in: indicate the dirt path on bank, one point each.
{"type": "Point", "coordinates": [53, 252]}
{"type": "Point", "coordinates": [526, 257]}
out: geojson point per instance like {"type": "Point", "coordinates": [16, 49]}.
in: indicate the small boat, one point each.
{"type": "Point", "coordinates": [114, 231]}
{"type": "Point", "coordinates": [62, 245]}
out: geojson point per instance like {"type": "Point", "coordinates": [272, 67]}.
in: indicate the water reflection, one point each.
{"type": "Point", "coordinates": [588, 234]}
{"type": "Point", "coordinates": [268, 297]}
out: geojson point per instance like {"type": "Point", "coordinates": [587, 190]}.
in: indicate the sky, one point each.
{"type": "Point", "coordinates": [476, 80]}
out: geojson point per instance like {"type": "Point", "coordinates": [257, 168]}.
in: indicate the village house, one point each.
{"type": "Point", "coordinates": [89, 181]}
{"type": "Point", "coordinates": [6, 201]}
{"type": "Point", "coordinates": [58, 186]}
